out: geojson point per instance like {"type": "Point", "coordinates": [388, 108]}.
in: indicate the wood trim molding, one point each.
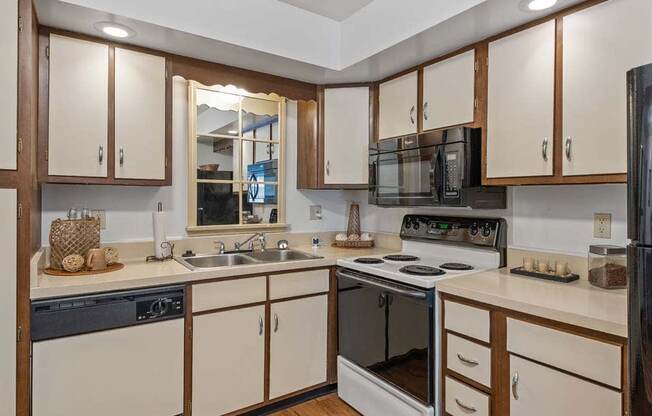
{"type": "Point", "coordinates": [187, 354]}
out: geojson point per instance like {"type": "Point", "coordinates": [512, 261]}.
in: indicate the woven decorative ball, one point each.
{"type": "Point", "coordinates": [112, 255]}
{"type": "Point", "coordinates": [73, 263]}
{"type": "Point", "coordinates": [354, 237]}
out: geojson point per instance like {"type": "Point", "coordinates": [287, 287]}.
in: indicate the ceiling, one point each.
{"type": "Point", "coordinates": [299, 44]}
{"type": "Point", "coordinates": [337, 10]}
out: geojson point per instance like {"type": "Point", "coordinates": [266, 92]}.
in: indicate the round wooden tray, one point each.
{"type": "Point", "coordinates": [109, 269]}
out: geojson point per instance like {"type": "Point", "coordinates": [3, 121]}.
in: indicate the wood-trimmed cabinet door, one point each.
{"type": "Point", "coordinates": [8, 242]}
{"type": "Point", "coordinates": [520, 113]}
{"type": "Point", "coordinates": [346, 135]}
{"type": "Point", "coordinates": [600, 44]}
{"type": "Point", "coordinates": [78, 107]}
{"type": "Point", "coordinates": [538, 390]}
{"type": "Point", "coordinates": [228, 361]}
{"type": "Point", "coordinates": [299, 337]}
{"type": "Point", "coordinates": [8, 83]}
{"type": "Point", "coordinates": [397, 106]}
{"type": "Point", "coordinates": [140, 129]}
{"type": "Point", "coordinates": [449, 92]}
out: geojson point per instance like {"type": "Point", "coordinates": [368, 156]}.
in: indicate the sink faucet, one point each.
{"type": "Point", "coordinates": [262, 240]}
{"type": "Point", "coordinates": [219, 246]}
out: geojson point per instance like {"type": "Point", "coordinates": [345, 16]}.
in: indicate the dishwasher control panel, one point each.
{"type": "Point", "coordinates": [163, 307]}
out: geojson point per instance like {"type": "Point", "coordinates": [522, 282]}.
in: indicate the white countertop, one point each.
{"type": "Point", "coordinates": [577, 303]}
{"type": "Point", "coordinates": [137, 273]}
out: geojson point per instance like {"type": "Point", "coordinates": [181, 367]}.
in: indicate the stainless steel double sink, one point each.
{"type": "Point", "coordinates": [212, 261]}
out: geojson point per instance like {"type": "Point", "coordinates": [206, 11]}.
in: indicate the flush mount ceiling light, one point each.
{"type": "Point", "coordinates": [536, 5]}
{"type": "Point", "coordinates": [114, 30]}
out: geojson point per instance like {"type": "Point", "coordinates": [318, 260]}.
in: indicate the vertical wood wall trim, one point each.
{"type": "Point", "coordinates": [29, 228]}
{"type": "Point", "coordinates": [307, 144]}
{"type": "Point", "coordinates": [332, 348]}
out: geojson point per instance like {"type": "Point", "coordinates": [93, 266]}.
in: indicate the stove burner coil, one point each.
{"type": "Point", "coordinates": [368, 260]}
{"type": "Point", "coordinates": [456, 266]}
{"type": "Point", "coordinates": [419, 270]}
{"type": "Point", "coordinates": [401, 257]}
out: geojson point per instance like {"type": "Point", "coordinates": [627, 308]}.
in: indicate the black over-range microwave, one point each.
{"type": "Point", "coordinates": [439, 168]}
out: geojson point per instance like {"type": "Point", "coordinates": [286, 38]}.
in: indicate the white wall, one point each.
{"type": "Point", "coordinates": [128, 209]}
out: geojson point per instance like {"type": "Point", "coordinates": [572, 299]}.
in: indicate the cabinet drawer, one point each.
{"type": "Point", "coordinates": [467, 320]}
{"type": "Point", "coordinates": [593, 359]}
{"type": "Point", "coordinates": [469, 359]}
{"type": "Point", "coordinates": [543, 391]}
{"type": "Point", "coordinates": [298, 284]}
{"type": "Point", "coordinates": [207, 296]}
{"type": "Point", "coordinates": [462, 400]}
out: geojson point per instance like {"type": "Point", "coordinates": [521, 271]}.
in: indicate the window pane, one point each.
{"type": "Point", "coordinates": [261, 204]}
{"type": "Point", "coordinates": [217, 204]}
{"type": "Point", "coordinates": [217, 113]}
{"type": "Point", "coordinates": [258, 115]}
{"type": "Point", "coordinates": [218, 158]}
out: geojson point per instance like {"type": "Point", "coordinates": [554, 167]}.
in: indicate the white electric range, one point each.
{"type": "Point", "coordinates": [388, 311]}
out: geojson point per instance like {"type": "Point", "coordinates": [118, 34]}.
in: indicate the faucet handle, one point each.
{"type": "Point", "coordinates": [262, 239]}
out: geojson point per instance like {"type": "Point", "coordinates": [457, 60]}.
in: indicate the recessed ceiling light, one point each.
{"type": "Point", "coordinates": [114, 30]}
{"type": "Point", "coordinates": [537, 5]}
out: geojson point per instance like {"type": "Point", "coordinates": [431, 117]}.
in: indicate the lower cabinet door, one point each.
{"type": "Point", "coordinates": [298, 344]}
{"type": "Point", "coordinates": [228, 361]}
{"type": "Point", "coordinates": [537, 390]}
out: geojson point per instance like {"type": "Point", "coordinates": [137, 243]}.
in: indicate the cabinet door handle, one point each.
{"type": "Point", "coordinates": [465, 407]}
{"type": "Point", "coordinates": [328, 168]}
{"type": "Point", "coordinates": [569, 142]}
{"type": "Point", "coordinates": [260, 325]}
{"type": "Point", "coordinates": [275, 323]}
{"type": "Point", "coordinates": [100, 154]}
{"type": "Point", "coordinates": [122, 156]}
{"type": "Point", "coordinates": [544, 149]}
{"type": "Point", "coordinates": [468, 361]}
{"type": "Point", "coordinates": [412, 114]}
{"type": "Point", "coordinates": [425, 111]}
{"type": "Point", "coordinates": [515, 385]}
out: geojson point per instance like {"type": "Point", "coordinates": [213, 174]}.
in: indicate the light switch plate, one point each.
{"type": "Point", "coordinates": [315, 213]}
{"type": "Point", "coordinates": [601, 225]}
{"type": "Point", "coordinates": [101, 215]}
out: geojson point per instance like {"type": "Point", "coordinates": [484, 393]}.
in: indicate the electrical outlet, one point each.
{"type": "Point", "coordinates": [601, 225]}
{"type": "Point", "coordinates": [315, 213]}
{"type": "Point", "coordinates": [100, 214]}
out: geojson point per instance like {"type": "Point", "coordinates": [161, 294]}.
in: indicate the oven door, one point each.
{"type": "Point", "coordinates": [407, 177]}
{"type": "Point", "coordinates": [388, 329]}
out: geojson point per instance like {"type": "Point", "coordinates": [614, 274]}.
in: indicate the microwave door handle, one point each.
{"type": "Point", "coordinates": [391, 289]}
{"type": "Point", "coordinates": [436, 174]}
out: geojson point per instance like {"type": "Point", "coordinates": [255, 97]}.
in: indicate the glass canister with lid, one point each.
{"type": "Point", "coordinates": [608, 266]}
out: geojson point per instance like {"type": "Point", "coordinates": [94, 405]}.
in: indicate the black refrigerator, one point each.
{"type": "Point", "coordinates": [639, 231]}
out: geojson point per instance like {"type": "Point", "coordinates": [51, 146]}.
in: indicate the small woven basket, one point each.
{"type": "Point", "coordinates": [72, 237]}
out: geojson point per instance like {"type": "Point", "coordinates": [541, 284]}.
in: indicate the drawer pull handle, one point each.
{"type": "Point", "coordinates": [515, 386]}
{"type": "Point", "coordinates": [275, 323]}
{"type": "Point", "coordinates": [464, 407]}
{"type": "Point", "coordinates": [261, 325]}
{"type": "Point", "coordinates": [468, 361]}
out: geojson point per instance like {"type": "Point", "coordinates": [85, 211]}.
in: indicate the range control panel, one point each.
{"type": "Point", "coordinates": [485, 232]}
{"type": "Point", "coordinates": [166, 306]}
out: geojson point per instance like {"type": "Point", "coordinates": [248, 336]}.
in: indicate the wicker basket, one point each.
{"type": "Point", "coordinates": [72, 237]}
{"type": "Point", "coordinates": [354, 244]}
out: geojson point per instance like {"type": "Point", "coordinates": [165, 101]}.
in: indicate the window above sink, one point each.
{"type": "Point", "coordinates": [236, 159]}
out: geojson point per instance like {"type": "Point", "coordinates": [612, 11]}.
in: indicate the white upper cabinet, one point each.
{"type": "Point", "coordinates": [8, 241]}
{"type": "Point", "coordinates": [8, 83]}
{"type": "Point", "coordinates": [346, 135]}
{"type": "Point", "coordinates": [521, 103]}
{"type": "Point", "coordinates": [449, 92]}
{"type": "Point", "coordinates": [397, 111]}
{"type": "Point", "coordinates": [78, 107]}
{"type": "Point", "coordinates": [600, 44]}
{"type": "Point", "coordinates": [140, 81]}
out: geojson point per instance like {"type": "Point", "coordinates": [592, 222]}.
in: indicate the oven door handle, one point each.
{"type": "Point", "coordinates": [391, 289]}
